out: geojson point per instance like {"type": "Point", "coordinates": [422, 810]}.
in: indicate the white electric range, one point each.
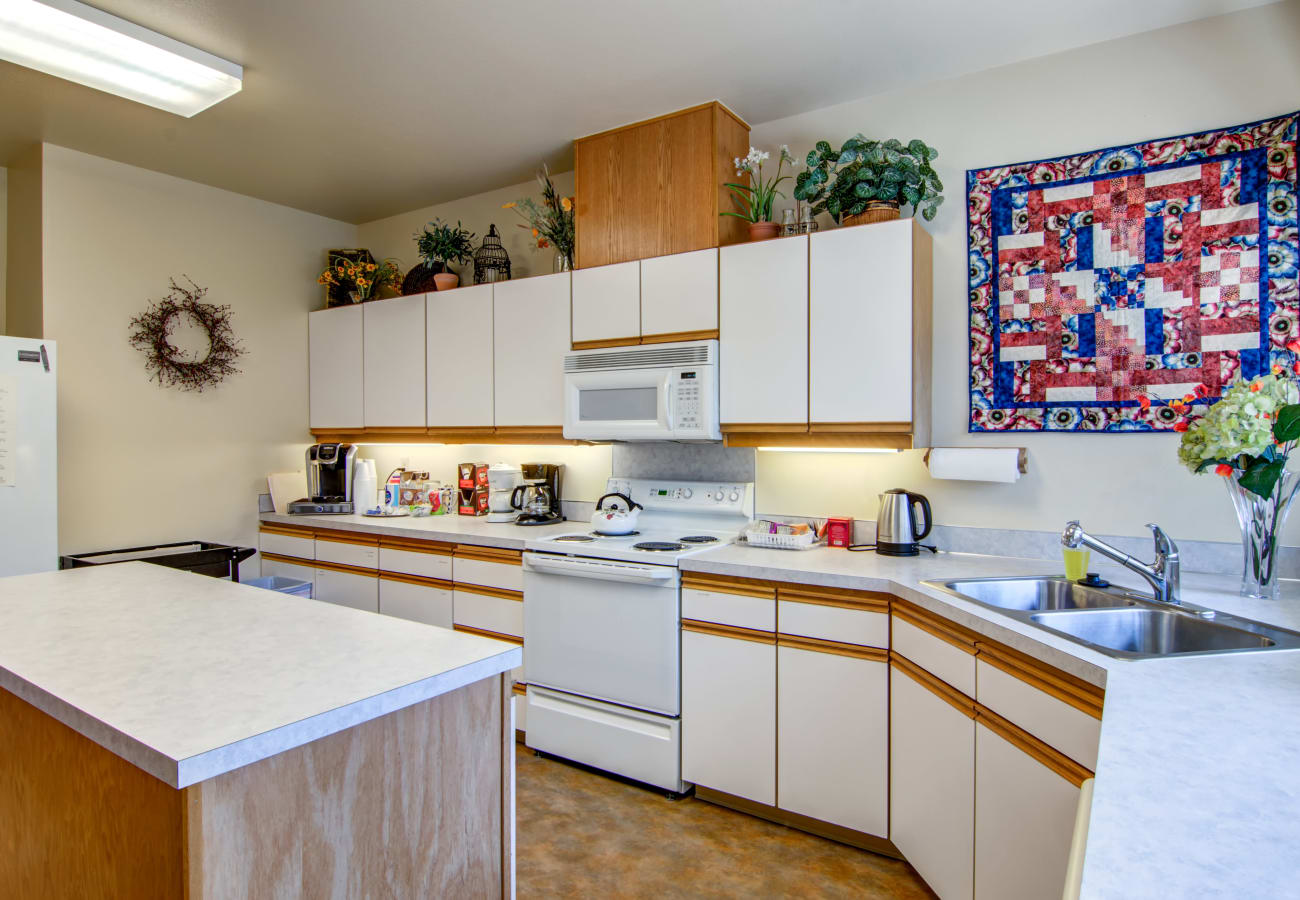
{"type": "Point", "coordinates": [602, 628]}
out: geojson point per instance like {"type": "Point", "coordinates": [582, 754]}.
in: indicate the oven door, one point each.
{"type": "Point", "coordinates": [618, 405]}
{"type": "Point", "coordinates": [603, 629]}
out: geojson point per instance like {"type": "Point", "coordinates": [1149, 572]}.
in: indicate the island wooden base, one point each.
{"type": "Point", "coordinates": [418, 803]}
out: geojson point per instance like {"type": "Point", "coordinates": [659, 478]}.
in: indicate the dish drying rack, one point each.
{"type": "Point", "coordinates": [758, 534]}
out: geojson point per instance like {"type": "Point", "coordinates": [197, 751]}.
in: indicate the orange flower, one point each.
{"type": "Point", "coordinates": [1201, 391]}
{"type": "Point", "coordinates": [1277, 370]}
{"type": "Point", "coordinates": [566, 204]}
{"type": "Point", "coordinates": [1177, 405]}
{"type": "Point", "coordinates": [542, 243]}
{"type": "Point", "coordinates": [1180, 425]}
{"type": "Point", "coordinates": [1293, 346]}
{"type": "Point", "coordinates": [510, 205]}
{"type": "Point", "coordinates": [1223, 469]}
{"type": "Point", "coordinates": [535, 232]}
{"type": "Point", "coordinates": [1144, 401]}
{"type": "Point", "coordinates": [1254, 387]}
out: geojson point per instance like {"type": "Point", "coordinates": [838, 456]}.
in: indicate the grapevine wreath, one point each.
{"type": "Point", "coordinates": [166, 364]}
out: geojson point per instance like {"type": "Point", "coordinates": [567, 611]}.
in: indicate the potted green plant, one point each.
{"type": "Point", "coordinates": [756, 198]}
{"type": "Point", "coordinates": [870, 181]}
{"type": "Point", "coordinates": [440, 243]}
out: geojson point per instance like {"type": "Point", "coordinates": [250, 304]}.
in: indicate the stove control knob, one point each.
{"type": "Point", "coordinates": [735, 495]}
{"type": "Point", "coordinates": [721, 495]}
{"type": "Point", "coordinates": [687, 492]}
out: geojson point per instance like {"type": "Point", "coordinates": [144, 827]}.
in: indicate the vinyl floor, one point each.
{"type": "Point", "coordinates": [581, 834]}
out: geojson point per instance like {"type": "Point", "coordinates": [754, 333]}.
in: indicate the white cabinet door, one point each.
{"type": "Point", "coordinates": [729, 715]}
{"type": "Point", "coordinates": [289, 570]}
{"type": "Point", "coordinates": [347, 589]}
{"type": "Point", "coordinates": [394, 362]}
{"type": "Point", "coordinates": [763, 289]}
{"type": "Point", "coordinates": [336, 349]}
{"type": "Point", "coordinates": [1024, 821]}
{"type": "Point", "coordinates": [833, 738]}
{"type": "Point", "coordinates": [679, 293]}
{"type": "Point", "coordinates": [458, 357]}
{"type": "Point", "coordinates": [607, 302]}
{"type": "Point", "coordinates": [531, 328]}
{"type": "Point", "coordinates": [932, 786]}
{"type": "Point", "coordinates": [860, 320]}
{"type": "Point", "coordinates": [417, 602]}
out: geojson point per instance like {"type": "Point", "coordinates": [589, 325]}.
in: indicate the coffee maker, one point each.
{"type": "Point", "coordinates": [502, 481]}
{"type": "Point", "coordinates": [538, 498]}
{"type": "Point", "coordinates": [329, 481]}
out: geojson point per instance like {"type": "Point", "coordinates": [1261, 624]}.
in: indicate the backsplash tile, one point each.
{"type": "Point", "coordinates": [686, 462]}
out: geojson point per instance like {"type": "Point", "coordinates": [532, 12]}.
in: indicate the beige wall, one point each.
{"type": "Point", "coordinates": [139, 463]}
{"type": "Point", "coordinates": [392, 236]}
{"type": "Point", "coordinates": [1207, 74]}
{"type": "Point", "coordinates": [4, 242]}
{"type": "Point", "coordinates": [23, 245]}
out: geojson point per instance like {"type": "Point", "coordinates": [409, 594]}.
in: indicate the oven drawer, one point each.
{"type": "Point", "coordinates": [634, 744]}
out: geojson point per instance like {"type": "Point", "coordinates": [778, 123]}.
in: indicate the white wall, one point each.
{"type": "Point", "coordinates": [393, 236]}
{"type": "Point", "coordinates": [1203, 75]}
{"type": "Point", "coordinates": [139, 463]}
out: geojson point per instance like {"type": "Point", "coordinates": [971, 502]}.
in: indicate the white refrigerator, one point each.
{"type": "Point", "coordinates": [29, 524]}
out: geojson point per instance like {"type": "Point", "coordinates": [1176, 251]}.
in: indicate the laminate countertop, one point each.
{"type": "Point", "coordinates": [454, 529]}
{"type": "Point", "coordinates": [1198, 776]}
{"type": "Point", "coordinates": [188, 677]}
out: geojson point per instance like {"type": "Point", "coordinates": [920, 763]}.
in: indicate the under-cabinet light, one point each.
{"type": "Point", "coordinates": [80, 43]}
{"type": "Point", "coordinates": [829, 450]}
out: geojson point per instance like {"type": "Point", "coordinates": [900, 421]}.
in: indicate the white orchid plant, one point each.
{"type": "Point", "coordinates": [756, 198]}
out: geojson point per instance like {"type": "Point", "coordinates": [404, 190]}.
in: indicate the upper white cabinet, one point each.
{"type": "Point", "coordinates": [763, 308]}
{"type": "Point", "coordinates": [458, 357]}
{"type": "Point", "coordinates": [607, 303]}
{"type": "Point", "coordinates": [531, 338]}
{"type": "Point", "coordinates": [679, 295]}
{"type": "Point", "coordinates": [336, 348]}
{"type": "Point", "coordinates": [394, 363]}
{"type": "Point", "coordinates": [870, 343]}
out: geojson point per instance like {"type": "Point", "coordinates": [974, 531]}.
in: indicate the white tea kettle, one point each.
{"type": "Point", "coordinates": [613, 520]}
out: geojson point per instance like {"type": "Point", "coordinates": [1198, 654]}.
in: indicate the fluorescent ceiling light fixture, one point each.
{"type": "Point", "coordinates": [80, 43]}
{"type": "Point", "coordinates": [829, 450]}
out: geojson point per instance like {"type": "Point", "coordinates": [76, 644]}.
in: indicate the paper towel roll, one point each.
{"type": "Point", "coordinates": [1000, 464]}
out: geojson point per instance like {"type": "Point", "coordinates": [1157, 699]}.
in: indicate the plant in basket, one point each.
{"type": "Point", "coordinates": [440, 245]}
{"type": "Point", "coordinates": [360, 279]}
{"type": "Point", "coordinates": [870, 181]}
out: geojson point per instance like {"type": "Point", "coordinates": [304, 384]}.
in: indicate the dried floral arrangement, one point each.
{"type": "Point", "coordinates": [151, 330]}
{"type": "Point", "coordinates": [551, 221]}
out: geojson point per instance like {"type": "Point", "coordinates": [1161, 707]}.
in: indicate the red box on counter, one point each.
{"type": "Point", "coordinates": [839, 532]}
{"type": "Point", "coordinates": [472, 475]}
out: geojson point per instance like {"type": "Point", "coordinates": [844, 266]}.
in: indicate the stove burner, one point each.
{"type": "Point", "coordinates": [576, 538]}
{"type": "Point", "coordinates": [698, 539]}
{"type": "Point", "coordinates": [597, 534]}
{"type": "Point", "coordinates": [659, 546]}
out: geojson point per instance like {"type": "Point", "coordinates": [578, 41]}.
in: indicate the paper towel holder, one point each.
{"type": "Point", "coordinates": [1022, 458]}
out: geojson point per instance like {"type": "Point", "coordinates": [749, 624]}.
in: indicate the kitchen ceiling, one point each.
{"type": "Point", "coordinates": [360, 111]}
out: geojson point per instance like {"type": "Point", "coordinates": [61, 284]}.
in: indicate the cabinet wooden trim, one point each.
{"type": "Point", "coordinates": [292, 560]}
{"type": "Point", "coordinates": [606, 342]}
{"type": "Point", "coordinates": [721, 107]}
{"type": "Point", "coordinates": [838, 648]}
{"type": "Point", "coordinates": [839, 833]}
{"type": "Point", "coordinates": [941, 689]}
{"type": "Point", "coordinates": [453, 434]}
{"type": "Point", "coordinates": [505, 435]}
{"type": "Point", "coordinates": [845, 598]}
{"type": "Point", "coordinates": [801, 437]}
{"type": "Point", "coordinates": [418, 580]}
{"type": "Point", "coordinates": [532, 434]}
{"type": "Point", "coordinates": [937, 626]}
{"type": "Point", "coordinates": [518, 687]}
{"type": "Point", "coordinates": [489, 554]}
{"type": "Point", "coordinates": [502, 593]}
{"type": "Point", "coordinates": [1046, 754]}
{"type": "Point", "coordinates": [495, 635]}
{"type": "Point", "coordinates": [722, 584]}
{"type": "Point", "coordinates": [729, 631]}
{"type": "Point", "coordinates": [674, 337]}
{"type": "Point", "coordinates": [415, 545]}
{"type": "Point", "coordinates": [344, 569]}
{"type": "Point", "coordinates": [335, 536]}
{"type": "Point", "coordinates": [765, 427]}
{"type": "Point", "coordinates": [1085, 697]}
{"type": "Point", "coordinates": [297, 531]}
{"type": "Point", "coordinates": [859, 427]}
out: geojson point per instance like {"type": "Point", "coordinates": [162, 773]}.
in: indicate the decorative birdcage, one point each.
{"type": "Point", "coordinates": [491, 261]}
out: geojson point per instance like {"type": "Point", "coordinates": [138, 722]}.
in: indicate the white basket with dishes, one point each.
{"type": "Point", "coordinates": [780, 535]}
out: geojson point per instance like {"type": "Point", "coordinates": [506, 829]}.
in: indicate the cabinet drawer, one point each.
{"type": "Point", "coordinates": [409, 598]}
{"type": "Point", "coordinates": [850, 617]}
{"type": "Point", "coordinates": [942, 649]}
{"type": "Point", "coordinates": [283, 544]}
{"type": "Point", "coordinates": [415, 562]}
{"type": "Point", "coordinates": [348, 552]}
{"type": "Point", "coordinates": [347, 589]}
{"type": "Point", "coordinates": [1044, 702]}
{"type": "Point", "coordinates": [738, 602]}
{"type": "Point", "coordinates": [488, 567]}
{"type": "Point", "coordinates": [497, 612]}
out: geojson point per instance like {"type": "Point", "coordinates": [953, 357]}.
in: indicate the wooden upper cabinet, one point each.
{"type": "Point", "coordinates": [656, 187]}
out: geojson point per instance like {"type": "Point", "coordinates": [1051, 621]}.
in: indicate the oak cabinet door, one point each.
{"type": "Point", "coordinates": [336, 371]}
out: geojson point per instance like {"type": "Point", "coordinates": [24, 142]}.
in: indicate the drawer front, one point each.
{"type": "Point", "coordinates": [366, 556]}
{"type": "Point", "coordinates": [417, 602]}
{"type": "Point", "coordinates": [758, 613]}
{"type": "Point", "coordinates": [412, 562]}
{"type": "Point", "coordinates": [1053, 721]}
{"type": "Point", "coordinates": [938, 657]}
{"type": "Point", "coordinates": [488, 574]}
{"type": "Point", "coordinates": [347, 589]}
{"type": "Point", "coordinates": [833, 623]}
{"type": "Point", "coordinates": [499, 614]}
{"type": "Point", "coordinates": [284, 545]}
{"type": "Point", "coordinates": [288, 570]}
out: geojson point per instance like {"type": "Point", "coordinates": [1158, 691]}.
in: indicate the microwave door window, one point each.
{"type": "Point", "coordinates": [631, 404]}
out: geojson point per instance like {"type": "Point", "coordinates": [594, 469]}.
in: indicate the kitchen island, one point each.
{"type": "Point", "coordinates": [170, 735]}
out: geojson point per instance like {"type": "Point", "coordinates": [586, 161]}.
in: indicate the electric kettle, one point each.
{"type": "Point", "coordinates": [896, 530]}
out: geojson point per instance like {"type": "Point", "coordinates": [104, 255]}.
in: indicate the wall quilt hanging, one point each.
{"type": "Point", "coordinates": [1104, 285]}
{"type": "Point", "coordinates": [168, 365]}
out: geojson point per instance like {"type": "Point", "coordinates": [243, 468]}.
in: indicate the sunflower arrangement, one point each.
{"type": "Point", "coordinates": [551, 221]}
{"type": "Point", "coordinates": [360, 278]}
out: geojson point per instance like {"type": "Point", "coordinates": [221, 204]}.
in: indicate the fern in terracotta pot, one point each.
{"type": "Point", "coordinates": [440, 243]}
{"type": "Point", "coordinates": [867, 180]}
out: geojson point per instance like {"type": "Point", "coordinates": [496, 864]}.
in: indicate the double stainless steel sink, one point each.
{"type": "Point", "coordinates": [1118, 622]}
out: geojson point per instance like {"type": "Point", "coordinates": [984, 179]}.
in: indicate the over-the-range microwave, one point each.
{"type": "Point", "coordinates": [654, 392]}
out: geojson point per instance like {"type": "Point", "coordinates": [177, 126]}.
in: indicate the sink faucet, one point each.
{"type": "Point", "coordinates": [1162, 573]}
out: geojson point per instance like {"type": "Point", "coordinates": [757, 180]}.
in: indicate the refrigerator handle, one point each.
{"type": "Point", "coordinates": [45, 358]}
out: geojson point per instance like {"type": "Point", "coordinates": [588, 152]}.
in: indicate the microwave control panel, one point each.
{"type": "Point", "coordinates": [695, 403]}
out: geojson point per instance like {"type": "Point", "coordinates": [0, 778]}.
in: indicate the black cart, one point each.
{"type": "Point", "coordinates": [203, 557]}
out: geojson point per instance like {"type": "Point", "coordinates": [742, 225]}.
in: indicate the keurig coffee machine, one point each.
{"type": "Point", "coordinates": [329, 481]}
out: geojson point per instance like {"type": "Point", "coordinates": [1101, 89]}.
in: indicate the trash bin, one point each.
{"type": "Point", "coordinates": [282, 584]}
{"type": "Point", "coordinates": [203, 557]}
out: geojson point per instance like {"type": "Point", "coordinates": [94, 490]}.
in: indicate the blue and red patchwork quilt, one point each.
{"type": "Point", "coordinates": [1104, 285]}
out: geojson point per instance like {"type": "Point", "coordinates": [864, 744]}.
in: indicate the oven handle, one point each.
{"type": "Point", "coordinates": [603, 569]}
